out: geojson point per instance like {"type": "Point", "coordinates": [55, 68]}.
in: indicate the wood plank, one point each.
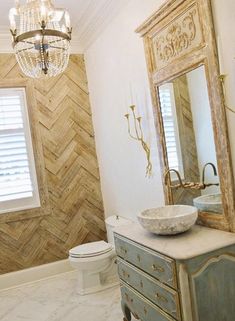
{"type": "Point", "coordinates": [71, 173]}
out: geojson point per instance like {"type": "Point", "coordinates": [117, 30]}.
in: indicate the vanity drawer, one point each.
{"type": "Point", "coordinates": [157, 265]}
{"type": "Point", "coordinates": [140, 307]}
{"type": "Point", "coordinates": [165, 297]}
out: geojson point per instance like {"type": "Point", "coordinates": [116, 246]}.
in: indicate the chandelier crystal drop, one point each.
{"type": "Point", "coordinates": [41, 37]}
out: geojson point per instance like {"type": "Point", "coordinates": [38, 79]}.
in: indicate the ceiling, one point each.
{"type": "Point", "coordinates": [89, 18]}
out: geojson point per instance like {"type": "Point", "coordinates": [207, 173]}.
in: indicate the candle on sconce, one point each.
{"type": "Point", "coordinates": [126, 99]}
{"type": "Point", "coordinates": [149, 115]}
{"type": "Point", "coordinates": [146, 99]}
{"type": "Point", "coordinates": [220, 57]}
{"type": "Point", "coordinates": [131, 95]}
{"type": "Point", "coordinates": [138, 104]}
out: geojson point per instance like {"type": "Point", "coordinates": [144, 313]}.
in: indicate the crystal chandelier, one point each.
{"type": "Point", "coordinates": [41, 37]}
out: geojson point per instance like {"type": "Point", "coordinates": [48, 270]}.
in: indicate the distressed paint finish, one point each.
{"type": "Point", "coordinates": [156, 265]}
{"type": "Point", "coordinates": [208, 285]}
{"type": "Point", "coordinates": [164, 297]}
{"type": "Point", "coordinates": [212, 285]}
{"type": "Point", "coordinates": [183, 61]}
{"type": "Point", "coordinates": [140, 307]}
{"type": "Point", "coordinates": [205, 282]}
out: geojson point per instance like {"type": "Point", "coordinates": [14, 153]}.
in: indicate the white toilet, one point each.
{"type": "Point", "coordinates": [96, 261]}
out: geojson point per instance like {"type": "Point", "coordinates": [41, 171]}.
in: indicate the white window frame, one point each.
{"type": "Point", "coordinates": [26, 203]}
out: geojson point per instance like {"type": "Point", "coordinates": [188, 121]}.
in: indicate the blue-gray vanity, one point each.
{"type": "Point", "coordinates": [191, 276]}
{"type": "Point", "coordinates": [188, 277]}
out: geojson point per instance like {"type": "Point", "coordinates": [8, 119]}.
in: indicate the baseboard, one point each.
{"type": "Point", "coordinates": [16, 279]}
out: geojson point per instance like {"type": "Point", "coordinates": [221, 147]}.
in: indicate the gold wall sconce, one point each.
{"type": "Point", "coordinates": [223, 76]}
{"type": "Point", "coordinates": [139, 136]}
{"type": "Point", "coordinates": [222, 79]}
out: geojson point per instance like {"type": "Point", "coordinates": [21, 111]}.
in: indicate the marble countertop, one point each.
{"type": "Point", "coordinates": [197, 241]}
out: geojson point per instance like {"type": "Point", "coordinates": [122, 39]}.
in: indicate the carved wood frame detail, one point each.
{"type": "Point", "coordinates": [181, 50]}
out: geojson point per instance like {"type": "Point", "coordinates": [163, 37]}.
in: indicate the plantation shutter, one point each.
{"type": "Point", "coordinates": [16, 171]}
{"type": "Point", "coordinates": [170, 126]}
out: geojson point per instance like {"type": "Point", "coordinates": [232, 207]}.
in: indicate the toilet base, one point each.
{"type": "Point", "coordinates": [97, 289]}
{"type": "Point", "coordinates": [95, 282]}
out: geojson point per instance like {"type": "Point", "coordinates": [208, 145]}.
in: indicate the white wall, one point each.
{"type": "Point", "coordinates": [114, 62]}
{"type": "Point", "coordinates": [224, 19]}
{"type": "Point", "coordinates": [202, 123]}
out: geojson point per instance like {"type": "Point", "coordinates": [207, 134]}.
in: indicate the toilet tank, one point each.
{"type": "Point", "coordinates": [112, 222]}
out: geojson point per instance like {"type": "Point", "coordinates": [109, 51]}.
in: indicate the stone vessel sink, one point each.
{"type": "Point", "coordinates": [209, 203]}
{"type": "Point", "coordinates": [168, 220]}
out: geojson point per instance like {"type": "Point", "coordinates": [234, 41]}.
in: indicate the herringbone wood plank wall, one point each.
{"type": "Point", "coordinates": [187, 141]}
{"type": "Point", "coordinates": [71, 168]}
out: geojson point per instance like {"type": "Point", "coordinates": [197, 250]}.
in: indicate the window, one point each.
{"type": "Point", "coordinates": [167, 99]}
{"type": "Point", "coordinates": [18, 180]}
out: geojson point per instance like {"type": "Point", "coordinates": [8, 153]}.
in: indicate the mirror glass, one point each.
{"type": "Point", "coordinates": [186, 115]}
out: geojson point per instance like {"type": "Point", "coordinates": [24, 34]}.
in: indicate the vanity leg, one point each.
{"type": "Point", "coordinates": [126, 312]}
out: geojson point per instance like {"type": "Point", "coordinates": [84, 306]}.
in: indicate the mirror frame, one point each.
{"type": "Point", "coordinates": [168, 62]}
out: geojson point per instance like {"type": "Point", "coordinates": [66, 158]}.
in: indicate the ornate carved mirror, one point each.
{"type": "Point", "coordinates": [189, 110]}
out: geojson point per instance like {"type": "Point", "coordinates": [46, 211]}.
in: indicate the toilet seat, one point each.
{"type": "Point", "coordinates": [90, 249]}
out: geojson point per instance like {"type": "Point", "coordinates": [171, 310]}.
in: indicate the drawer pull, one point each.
{"type": "Point", "coordinates": [145, 311]}
{"type": "Point", "coordinates": [123, 249]}
{"type": "Point", "coordinates": [141, 284]}
{"type": "Point", "coordinates": [161, 297]}
{"type": "Point", "coordinates": [158, 268]}
{"type": "Point", "coordinates": [138, 257]}
{"type": "Point", "coordinates": [125, 274]}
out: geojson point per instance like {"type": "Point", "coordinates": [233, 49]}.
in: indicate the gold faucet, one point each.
{"type": "Point", "coordinates": [190, 185]}
{"type": "Point", "coordinates": [185, 185]}
{"type": "Point", "coordinates": [204, 172]}
{"type": "Point", "coordinates": [167, 175]}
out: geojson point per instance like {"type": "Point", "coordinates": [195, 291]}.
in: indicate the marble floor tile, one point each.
{"type": "Point", "coordinates": [56, 299]}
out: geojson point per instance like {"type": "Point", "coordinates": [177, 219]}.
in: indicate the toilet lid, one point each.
{"type": "Point", "coordinates": [91, 249]}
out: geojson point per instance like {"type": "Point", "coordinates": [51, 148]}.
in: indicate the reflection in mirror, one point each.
{"type": "Point", "coordinates": [190, 146]}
